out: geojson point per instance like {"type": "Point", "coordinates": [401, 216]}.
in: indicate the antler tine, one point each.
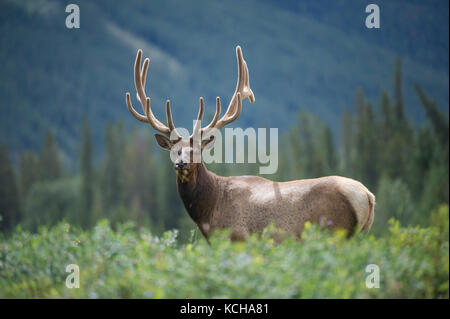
{"type": "Point", "coordinates": [243, 83]}
{"type": "Point", "coordinates": [206, 130]}
{"type": "Point", "coordinates": [140, 76]}
{"type": "Point", "coordinates": [133, 111]}
{"type": "Point", "coordinates": [236, 113]}
{"type": "Point", "coordinates": [169, 116]}
{"type": "Point", "coordinates": [144, 72]}
{"type": "Point", "coordinates": [140, 93]}
{"type": "Point", "coordinates": [242, 91]}
{"type": "Point", "coordinates": [198, 123]}
{"type": "Point", "coordinates": [151, 119]}
{"type": "Point", "coordinates": [170, 120]}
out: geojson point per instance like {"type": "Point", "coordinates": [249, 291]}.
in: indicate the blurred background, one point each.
{"type": "Point", "coordinates": [371, 104]}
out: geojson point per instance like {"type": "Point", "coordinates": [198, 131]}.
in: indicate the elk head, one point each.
{"type": "Point", "coordinates": [186, 152]}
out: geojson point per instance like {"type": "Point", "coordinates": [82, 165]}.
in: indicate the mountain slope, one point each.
{"type": "Point", "coordinates": [306, 56]}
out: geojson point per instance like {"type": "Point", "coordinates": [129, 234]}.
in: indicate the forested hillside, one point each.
{"type": "Point", "coordinates": [302, 56]}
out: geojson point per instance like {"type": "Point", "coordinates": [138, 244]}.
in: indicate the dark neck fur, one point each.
{"type": "Point", "coordinates": [199, 194]}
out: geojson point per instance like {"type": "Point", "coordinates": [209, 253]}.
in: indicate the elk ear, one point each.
{"type": "Point", "coordinates": [163, 142]}
{"type": "Point", "coordinates": [208, 143]}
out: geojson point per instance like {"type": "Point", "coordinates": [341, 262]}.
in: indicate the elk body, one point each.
{"type": "Point", "coordinates": [247, 204]}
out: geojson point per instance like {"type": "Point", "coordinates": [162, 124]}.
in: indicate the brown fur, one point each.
{"type": "Point", "coordinates": [247, 204]}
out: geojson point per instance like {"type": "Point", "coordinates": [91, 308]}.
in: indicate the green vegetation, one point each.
{"type": "Point", "coordinates": [131, 263]}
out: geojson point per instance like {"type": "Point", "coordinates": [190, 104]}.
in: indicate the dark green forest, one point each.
{"type": "Point", "coordinates": [367, 105]}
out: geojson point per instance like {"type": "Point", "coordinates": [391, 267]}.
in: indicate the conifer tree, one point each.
{"type": "Point", "coordinates": [346, 141]}
{"type": "Point", "coordinates": [49, 162]}
{"type": "Point", "coordinates": [87, 178]}
{"type": "Point", "coordinates": [112, 186]}
{"type": "Point", "coordinates": [10, 213]}
{"type": "Point", "coordinates": [29, 172]}
{"type": "Point", "coordinates": [328, 149]}
{"type": "Point", "coordinates": [307, 154]}
{"type": "Point", "coordinates": [365, 161]}
{"type": "Point", "coordinates": [437, 118]}
{"type": "Point", "coordinates": [398, 93]}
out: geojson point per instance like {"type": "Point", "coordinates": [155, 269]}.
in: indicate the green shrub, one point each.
{"type": "Point", "coordinates": [131, 263]}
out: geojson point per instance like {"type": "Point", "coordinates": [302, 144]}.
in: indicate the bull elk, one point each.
{"type": "Point", "coordinates": [247, 204]}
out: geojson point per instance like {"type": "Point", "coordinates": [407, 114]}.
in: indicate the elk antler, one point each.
{"type": "Point", "coordinates": [234, 109]}
{"type": "Point", "coordinates": [139, 81]}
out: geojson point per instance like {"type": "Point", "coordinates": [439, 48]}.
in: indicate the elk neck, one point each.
{"type": "Point", "coordinates": [199, 195]}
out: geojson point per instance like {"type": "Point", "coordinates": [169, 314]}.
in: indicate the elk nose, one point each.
{"type": "Point", "coordinates": [180, 165]}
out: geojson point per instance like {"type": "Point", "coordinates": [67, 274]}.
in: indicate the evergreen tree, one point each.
{"type": "Point", "coordinates": [29, 172]}
{"type": "Point", "coordinates": [328, 151]}
{"type": "Point", "coordinates": [430, 170]}
{"type": "Point", "coordinates": [164, 176]}
{"type": "Point", "coordinates": [387, 114]}
{"type": "Point", "coordinates": [10, 212]}
{"type": "Point", "coordinates": [421, 159]}
{"type": "Point", "coordinates": [296, 167]}
{"type": "Point", "coordinates": [396, 131]}
{"type": "Point", "coordinates": [307, 155]}
{"type": "Point", "coordinates": [389, 157]}
{"type": "Point", "coordinates": [365, 161]}
{"type": "Point", "coordinates": [398, 92]}
{"type": "Point", "coordinates": [346, 141]}
{"type": "Point", "coordinates": [139, 172]}
{"type": "Point", "coordinates": [289, 165]}
{"type": "Point", "coordinates": [112, 182]}
{"type": "Point", "coordinates": [437, 118]}
{"type": "Point", "coordinates": [49, 162]}
{"type": "Point", "coordinates": [87, 178]}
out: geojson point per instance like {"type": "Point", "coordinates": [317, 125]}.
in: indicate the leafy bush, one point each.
{"type": "Point", "coordinates": [130, 263]}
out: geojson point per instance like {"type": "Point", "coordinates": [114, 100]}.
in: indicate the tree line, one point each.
{"type": "Point", "coordinates": [405, 165]}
